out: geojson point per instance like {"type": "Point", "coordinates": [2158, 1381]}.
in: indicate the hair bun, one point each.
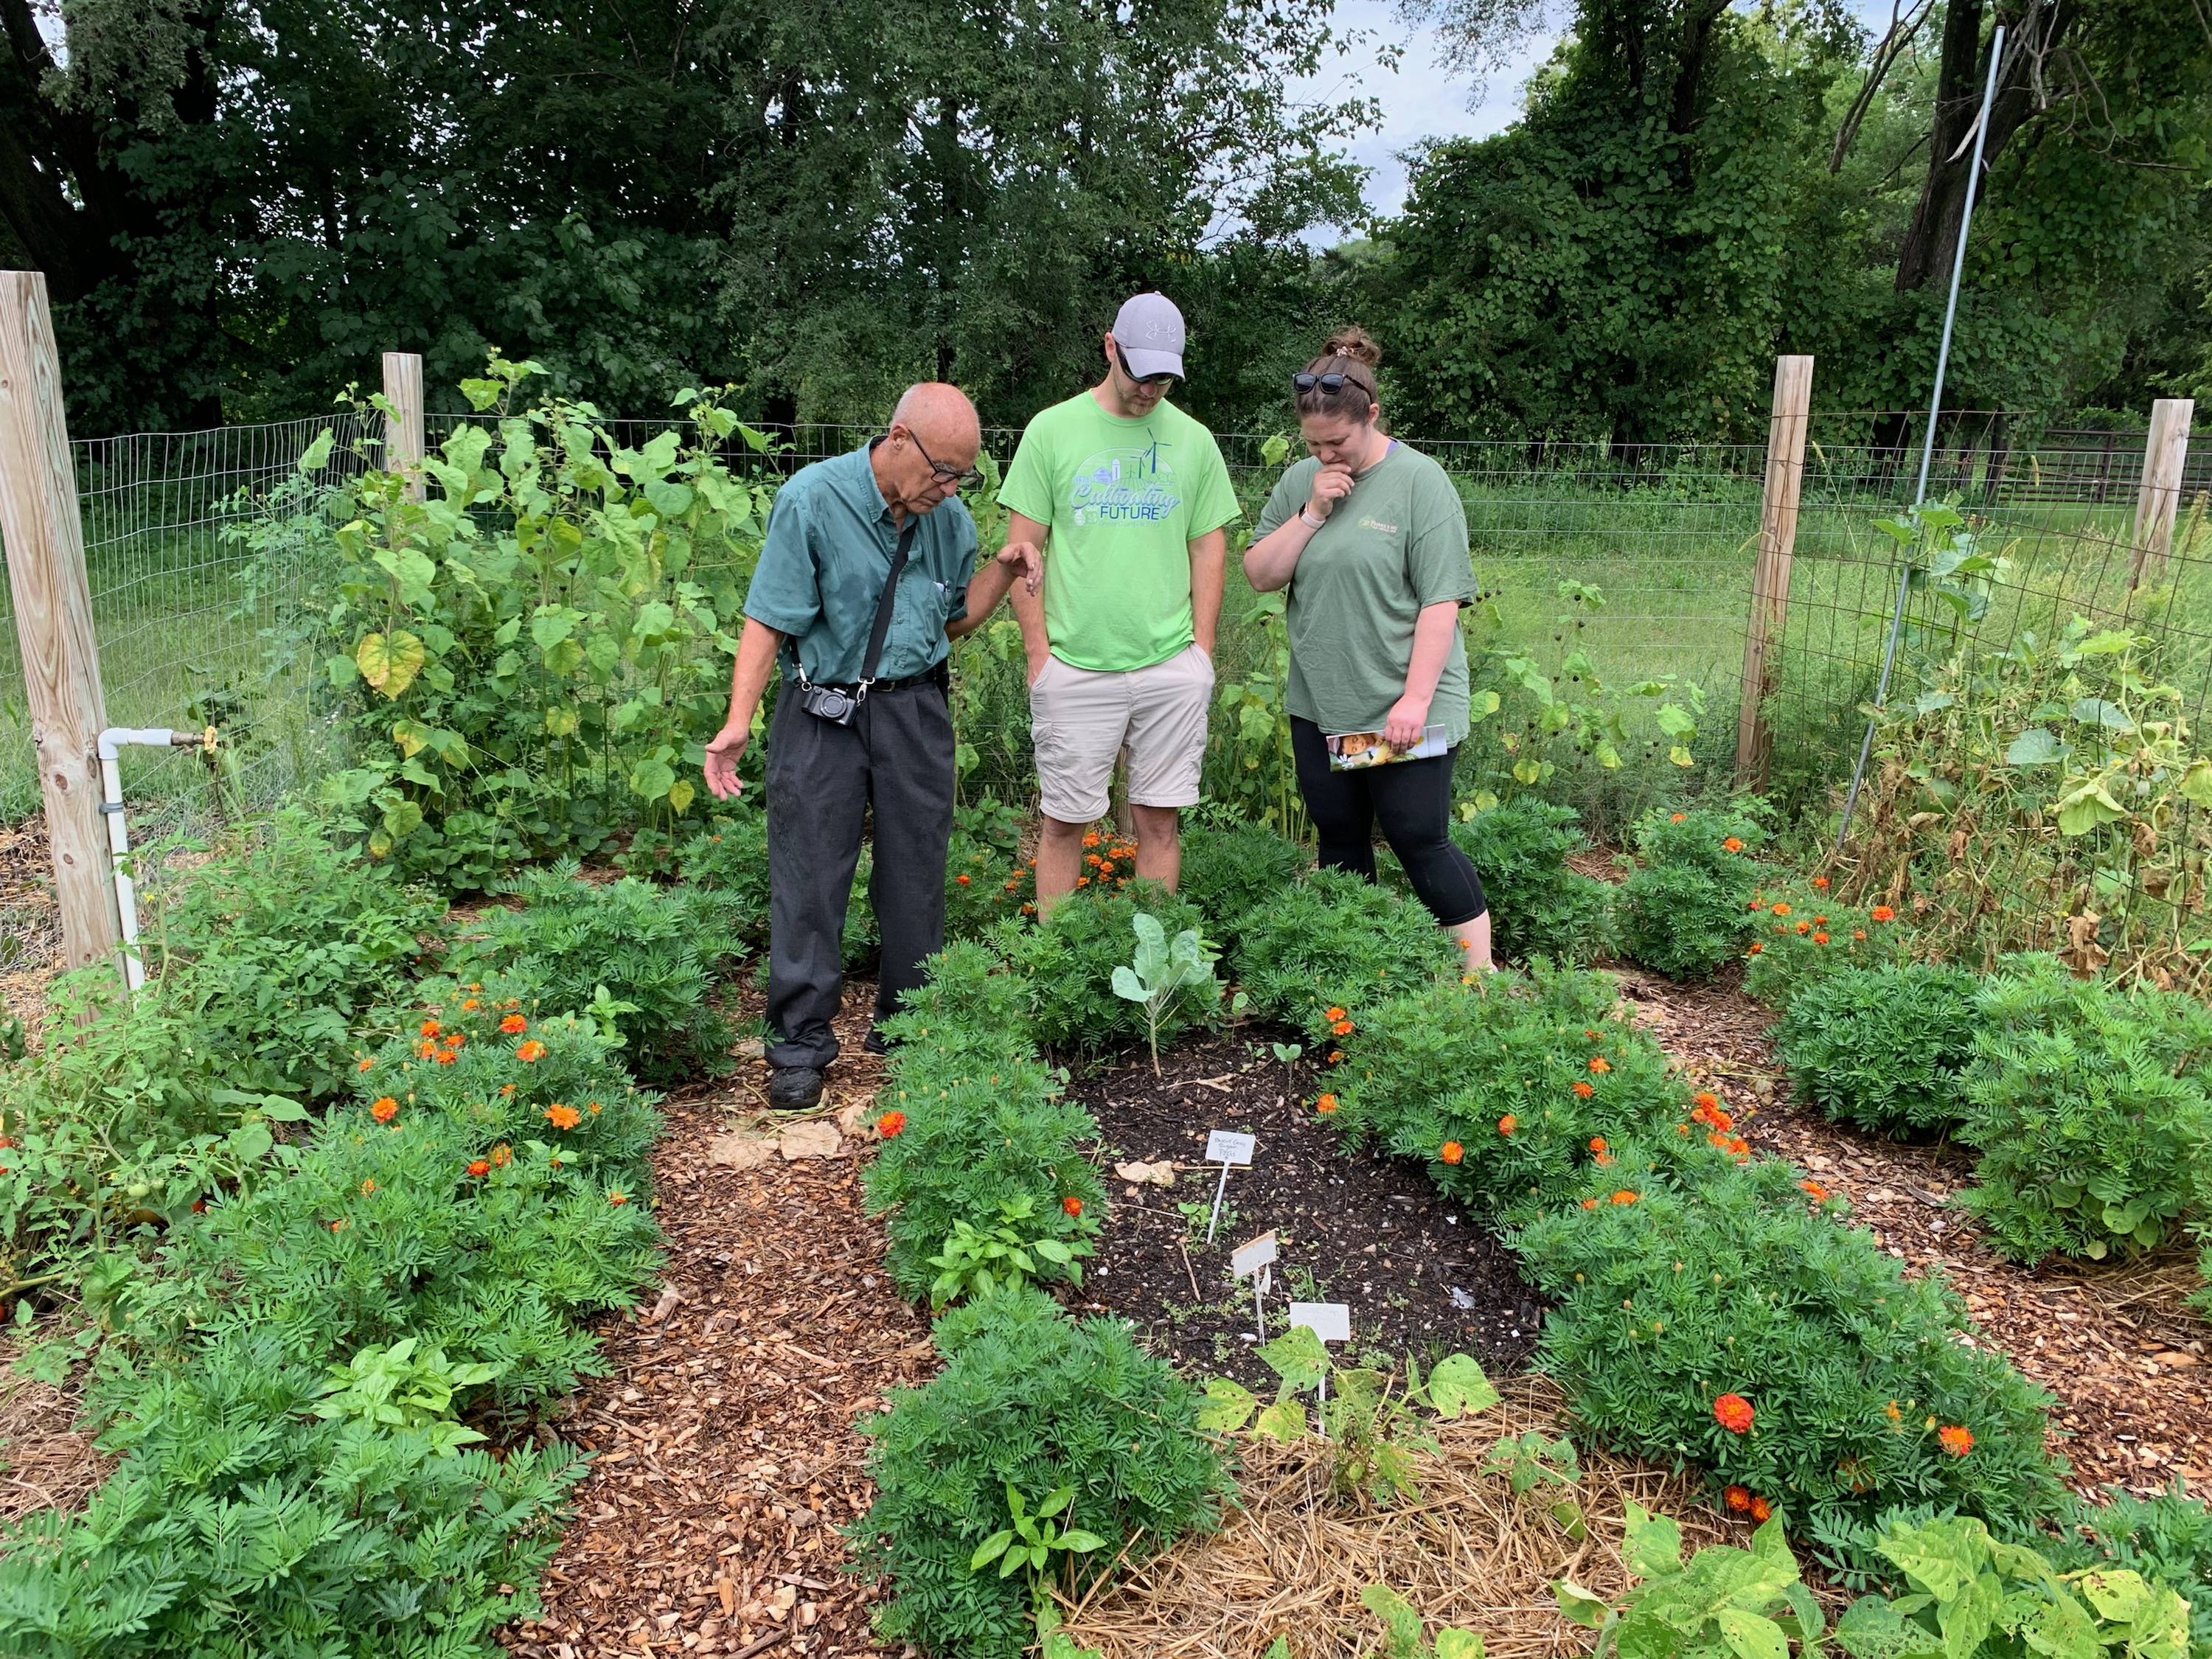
{"type": "Point", "coordinates": [1354, 342]}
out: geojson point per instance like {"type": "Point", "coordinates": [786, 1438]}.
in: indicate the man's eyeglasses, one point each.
{"type": "Point", "coordinates": [967, 480]}
{"type": "Point", "coordinates": [1332, 382]}
{"type": "Point", "coordinates": [1141, 379]}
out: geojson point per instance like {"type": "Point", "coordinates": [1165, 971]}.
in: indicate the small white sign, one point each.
{"type": "Point", "coordinates": [1227, 1146]}
{"type": "Point", "coordinates": [1329, 1320]}
{"type": "Point", "coordinates": [1253, 1256]}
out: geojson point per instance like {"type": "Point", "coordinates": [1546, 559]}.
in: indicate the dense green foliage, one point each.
{"type": "Point", "coordinates": [295, 946]}
{"type": "Point", "coordinates": [2090, 1111]}
{"type": "Point", "coordinates": [1335, 941]}
{"type": "Point", "coordinates": [1686, 908]}
{"type": "Point", "coordinates": [1883, 1047]}
{"type": "Point", "coordinates": [1787, 959]}
{"type": "Point", "coordinates": [1070, 960]}
{"type": "Point", "coordinates": [1538, 906]}
{"type": "Point", "coordinates": [1034, 1399]}
{"type": "Point", "coordinates": [1229, 872]}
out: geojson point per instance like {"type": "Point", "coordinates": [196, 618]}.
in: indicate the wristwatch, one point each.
{"type": "Point", "coordinates": [1306, 517]}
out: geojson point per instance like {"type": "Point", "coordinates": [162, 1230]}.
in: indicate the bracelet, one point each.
{"type": "Point", "coordinates": [1306, 518]}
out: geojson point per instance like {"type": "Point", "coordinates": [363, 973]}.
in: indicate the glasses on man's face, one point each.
{"type": "Point", "coordinates": [1163, 381]}
{"type": "Point", "coordinates": [967, 480]}
{"type": "Point", "coordinates": [1332, 382]}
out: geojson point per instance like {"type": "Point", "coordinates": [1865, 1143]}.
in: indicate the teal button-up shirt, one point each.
{"type": "Point", "coordinates": [824, 562]}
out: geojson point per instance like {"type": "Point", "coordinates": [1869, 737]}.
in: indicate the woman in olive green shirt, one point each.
{"type": "Point", "coordinates": [1370, 539]}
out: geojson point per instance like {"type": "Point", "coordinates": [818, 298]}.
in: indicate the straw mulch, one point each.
{"type": "Point", "coordinates": [1291, 1562]}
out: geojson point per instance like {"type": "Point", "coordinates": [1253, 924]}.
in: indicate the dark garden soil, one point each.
{"type": "Point", "coordinates": [2115, 1342]}
{"type": "Point", "coordinates": [1420, 1276]}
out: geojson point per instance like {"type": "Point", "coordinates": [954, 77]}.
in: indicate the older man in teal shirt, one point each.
{"type": "Point", "coordinates": [880, 527]}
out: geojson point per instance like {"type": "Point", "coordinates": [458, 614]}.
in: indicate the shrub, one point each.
{"type": "Point", "coordinates": [2089, 1108]}
{"type": "Point", "coordinates": [1070, 962]}
{"type": "Point", "coordinates": [2168, 1539]}
{"type": "Point", "coordinates": [1227, 872]}
{"type": "Point", "coordinates": [730, 857]}
{"type": "Point", "coordinates": [1883, 1047]}
{"type": "Point", "coordinates": [656, 948]}
{"type": "Point", "coordinates": [1538, 906]}
{"type": "Point", "coordinates": [1808, 938]}
{"type": "Point", "coordinates": [973, 1141]}
{"type": "Point", "coordinates": [983, 887]}
{"type": "Point", "coordinates": [297, 947]}
{"type": "Point", "coordinates": [1686, 911]}
{"type": "Point", "coordinates": [1030, 1399]}
{"type": "Point", "coordinates": [1335, 941]}
{"type": "Point", "coordinates": [1664, 1307]}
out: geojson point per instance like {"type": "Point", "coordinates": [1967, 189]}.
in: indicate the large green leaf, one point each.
{"type": "Point", "coordinates": [389, 663]}
{"type": "Point", "coordinates": [1458, 1387]}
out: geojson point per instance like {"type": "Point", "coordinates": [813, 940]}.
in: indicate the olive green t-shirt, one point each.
{"type": "Point", "coordinates": [1394, 545]}
{"type": "Point", "coordinates": [1124, 500]}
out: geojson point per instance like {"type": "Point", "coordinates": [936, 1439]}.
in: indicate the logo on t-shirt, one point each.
{"type": "Point", "coordinates": [1377, 525]}
{"type": "Point", "coordinates": [1124, 486]}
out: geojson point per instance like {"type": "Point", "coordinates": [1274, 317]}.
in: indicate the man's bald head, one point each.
{"type": "Point", "coordinates": [934, 409]}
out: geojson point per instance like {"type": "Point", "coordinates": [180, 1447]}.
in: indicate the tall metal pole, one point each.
{"type": "Point", "coordinates": [1927, 445]}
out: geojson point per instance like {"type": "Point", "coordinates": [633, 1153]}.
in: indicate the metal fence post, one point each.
{"type": "Point", "coordinates": [2166, 452]}
{"type": "Point", "coordinates": [53, 614]}
{"type": "Point", "coordinates": [1770, 577]}
{"type": "Point", "coordinates": [402, 428]}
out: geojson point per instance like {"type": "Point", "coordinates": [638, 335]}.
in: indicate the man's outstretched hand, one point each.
{"type": "Point", "coordinates": [723, 781]}
{"type": "Point", "coordinates": [1026, 560]}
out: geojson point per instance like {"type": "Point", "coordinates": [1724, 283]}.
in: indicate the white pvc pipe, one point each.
{"type": "Point", "coordinates": [112, 741]}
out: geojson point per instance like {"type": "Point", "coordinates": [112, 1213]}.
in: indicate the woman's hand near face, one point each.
{"type": "Point", "coordinates": [1330, 485]}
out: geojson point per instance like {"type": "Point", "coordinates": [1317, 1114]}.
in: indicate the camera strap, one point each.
{"type": "Point", "coordinates": [881, 631]}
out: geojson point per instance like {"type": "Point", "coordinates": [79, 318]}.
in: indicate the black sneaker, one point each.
{"type": "Point", "coordinates": [794, 1089]}
{"type": "Point", "coordinates": [873, 1043]}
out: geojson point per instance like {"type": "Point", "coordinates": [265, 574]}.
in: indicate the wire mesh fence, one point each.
{"type": "Point", "coordinates": [1669, 533]}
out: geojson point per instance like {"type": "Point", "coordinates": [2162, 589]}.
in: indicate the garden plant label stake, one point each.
{"type": "Point", "coordinates": [1329, 1320]}
{"type": "Point", "coordinates": [1257, 1260]}
{"type": "Point", "coordinates": [1225, 1148]}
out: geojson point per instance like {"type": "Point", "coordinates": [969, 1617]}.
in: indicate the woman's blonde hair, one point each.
{"type": "Point", "coordinates": [1352, 352]}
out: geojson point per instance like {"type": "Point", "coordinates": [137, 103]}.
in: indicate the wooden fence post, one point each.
{"type": "Point", "coordinates": [2166, 452]}
{"type": "Point", "coordinates": [402, 428]}
{"type": "Point", "coordinates": [1770, 577]}
{"type": "Point", "coordinates": [53, 614]}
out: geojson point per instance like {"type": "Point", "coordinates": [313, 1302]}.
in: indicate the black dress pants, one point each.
{"type": "Point", "coordinates": [1412, 800]}
{"type": "Point", "coordinates": [896, 757]}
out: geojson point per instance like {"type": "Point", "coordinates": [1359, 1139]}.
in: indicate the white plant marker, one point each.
{"type": "Point", "coordinates": [1225, 1148]}
{"type": "Point", "coordinates": [1257, 1260]}
{"type": "Point", "coordinates": [1329, 1320]}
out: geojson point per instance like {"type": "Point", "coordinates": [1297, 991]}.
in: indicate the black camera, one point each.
{"type": "Point", "coordinates": [827, 702]}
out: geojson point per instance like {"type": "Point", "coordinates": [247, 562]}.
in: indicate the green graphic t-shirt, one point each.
{"type": "Point", "coordinates": [1396, 544]}
{"type": "Point", "coordinates": [1124, 499]}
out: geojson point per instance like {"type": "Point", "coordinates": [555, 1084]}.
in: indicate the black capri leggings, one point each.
{"type": "Point", "coordinates": [1413, 799]}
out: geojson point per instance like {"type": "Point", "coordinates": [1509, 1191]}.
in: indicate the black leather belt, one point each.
{"type": "Point", "coordinates": [936, 675]}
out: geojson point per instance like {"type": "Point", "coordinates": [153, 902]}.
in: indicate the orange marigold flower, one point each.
{"type": "Point", "coordinates": [383, 1109]}
{"type": "Point", "coordinates": [1507, 1124]}
{"type": "Point", "coordinates": [1599, 1064]}
{"type": "Point", "coordinates": [1590, 1203]}
{"type": "Point", "coordinates": [1091, 839]}
{"type": "Point", "coordinates": [455, 1039]}
{"type": "Point", "coordinates": [1705, 1101]}
{"type": "Point", "coordinates": [425, 1048]}
{"type": "Point", "coordinates": [1804, 927]}
{"type": "Point", "coordinates": [1738, 1498]}
{"type": "Point", "coordinates": [1956, 1440]}
{"type": "Point", "coordinates": [1342, 1028]}
{"type": "Point", "coordinates": [593, 1109]}
{"type": "Point", "coordinates": [430, 1028]}
{"type": "Point", "coordinates": [507, 1088]}
{"type": "Point", "coordinates": [1325, 1104]}
{"type": "Point", "coordinates": [1071, 1204]}
{"type": "Point", "coordinates": [1083, 881]}
{"type": "Point", "coordinates": [471, 1004]}
{"type": "Point", "coordinates": [1334, 1056]}
{"type": "Point", "coordinates": [1604, 1158]}
{"type": "Point", "coordinates": [479, 1166]}
{"type": "Point", "coordinates": [1820, 922]}
{"type": "Point", "coordinates": [618, 1196]}
{"type": "Point", "coordinates": [445, 1056]}
{"type": "Point", "coordinates": [1678, 818]}
{"type": "Point", "coordinates": [1106, 867]}
{"type": "Point", "coordinates": [1732, 1412]}
{"type": "Point", "coordinates": [890, 1124]}
{"type": "Point", "coordinates": [1778, 909]}
{"type": "Point", "coordinates": [338, 1226]}
{"type": "Point", "coordinates": [367, 1060]}
{"type": "Point", "coordinates": [962, 879]}
{"type": "Point", "coordinates": [564, 1117]}
{"type": "Point", "coordinates": [1583, 1089]}
{"type": "Point", "coordinates": [1883, 913]}
{"type": "Point", "coordinates": [1451, 1151]}
{"type": "Point", "coordinates": [1093, 860]}
{"type": "Point", "coordinates": [1624, 1196]}
{"type": "Point", "coordinates": [1335, 1013]}
{"type": "Point", "coordinates": [1732, 845]}
{"type": "Point", "coordinates": [1858, 933]}
{"type": "Point", "coordinates": [500, 1156]}
{"type": "Point", "coordinates": [367, 1187]}
{"type": "Point", "coordinates": [1821, 881]}
{"type": "Point", "coordinates": [1820, 939]}
{"type": "Point", "coordinates": [1754, 949]}
{"type": "Point", "coordinates": [514, 1023]}
{"type": "Point", "coordinates": [1761, 1511]}
{"type": "Point", "coordinates": [1820, 1193]}
{"type": "Point", "coordinates": [1597, 1143]}
{"type": "Point", "coordinates": [531, 1051]}
{"type": "Point", "coordinates": [1759, 904]}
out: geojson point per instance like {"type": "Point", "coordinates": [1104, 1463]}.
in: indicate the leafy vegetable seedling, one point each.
{"type": "Point", "coordinates": [1033, 1539]}
{"type": "Point", "coordinates": [1162, 973]}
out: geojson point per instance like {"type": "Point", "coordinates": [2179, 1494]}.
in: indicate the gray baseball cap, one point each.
{"type": "Point", "coordinates": [1149, 330]}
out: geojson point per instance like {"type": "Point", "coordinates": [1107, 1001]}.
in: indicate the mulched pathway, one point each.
{"type": "Point", "coordinates": [2114, 1342]}
{"type": "Point", "coordinates": [1420, 1276]}
{"type": "Point", "coordinates": [30, 920]}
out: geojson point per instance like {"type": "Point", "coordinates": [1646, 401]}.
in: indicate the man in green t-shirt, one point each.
{"type": "Point", "coordinates": [1135, 500]}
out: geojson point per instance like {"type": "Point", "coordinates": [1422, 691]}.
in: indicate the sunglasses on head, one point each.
{"type": "Point", "coordinates": [967, 480]}
{"type": "Point", "coordinates": [1141, 379]}
{"type": "Point", "coordinates": [1334, 380]}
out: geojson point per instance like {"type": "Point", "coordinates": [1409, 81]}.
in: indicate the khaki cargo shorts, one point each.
{"type": "Point", "coordinates": [1080, 719]}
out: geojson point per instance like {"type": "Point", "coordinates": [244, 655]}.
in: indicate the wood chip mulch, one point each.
{"type": "Point", "coordinates": [725, 1455]}
{"type": "Point", "coordinates": [30, 922]}
{"type": "Point", "coordinates": [2115, 1342]}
